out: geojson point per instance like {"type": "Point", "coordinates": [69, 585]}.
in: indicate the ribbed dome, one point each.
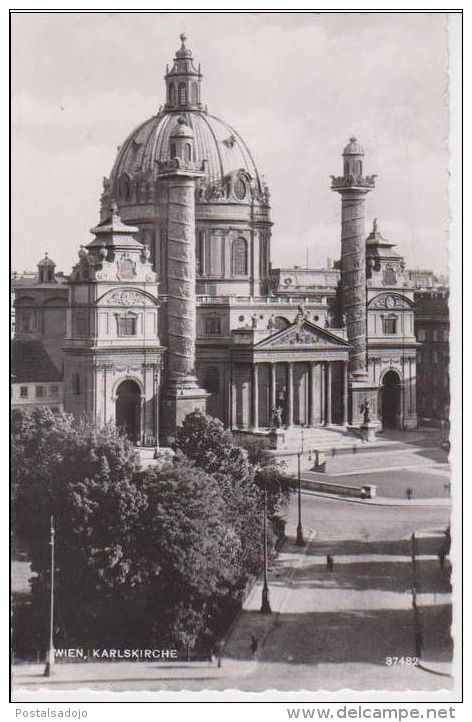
{"type": "Point", "coordinates": [215, 141]}
{"type": "Point", "coordinates": [353, 147]}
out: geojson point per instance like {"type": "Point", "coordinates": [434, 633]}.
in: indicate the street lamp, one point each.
{"type": "Point", "coordinates": [48, 671]}
{"type": "Point", "coordinates": [265, 608]}
{"type": "Point", "coordinates": [300, 541]}
{"type": "Point", "coordinates": [416, 616]}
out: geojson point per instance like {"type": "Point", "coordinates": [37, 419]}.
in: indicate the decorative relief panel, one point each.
{"type": "Point", "coordinates": [128, 298]}
{"type": "Point", "coordinates": [389, 301]}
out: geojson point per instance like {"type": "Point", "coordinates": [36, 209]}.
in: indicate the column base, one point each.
{"type": "Point", "coordinates": [181, 397]}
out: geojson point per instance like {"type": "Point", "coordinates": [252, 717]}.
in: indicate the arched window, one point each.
{"type": "Point", "coordinates": [200, 254]}
{"type": "Point", "coordinates": [172, 150]}
{"type": "Point", "coordinates": [194, 93]}
{"type": "Point", "coordinates": [358, 167]}
{"type": "Point", "coordinates": [182, 94]}
{"type": "Point", "coordinates": [188, 152]}
{"type": "Point", "coordinates": [239, 257]}
{"type": "Point", "coordinates": [346, 167]}
{"type": "Point", "coordinates": [171, 94]}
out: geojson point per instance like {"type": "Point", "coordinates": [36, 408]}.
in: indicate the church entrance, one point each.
{"type": "Point", "coordinates": [391, 400]}
{"type": "Point", "coordinates": [128, 409]}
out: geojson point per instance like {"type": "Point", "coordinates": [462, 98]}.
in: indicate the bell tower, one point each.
{"type": "Point", "coordinates": [353, 186]}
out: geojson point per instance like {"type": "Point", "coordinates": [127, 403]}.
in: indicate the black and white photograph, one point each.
{"type": "Point", "coordinates": [235, 373]}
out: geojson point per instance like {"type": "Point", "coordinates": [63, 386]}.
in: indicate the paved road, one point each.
{"type": "Point", "coordinates": [328, 630]}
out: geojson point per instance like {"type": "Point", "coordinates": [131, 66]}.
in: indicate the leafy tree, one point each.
{"type": "Point", "coordinates": [188, 554]}
{"type": "Point", "coordinates": [270, 475]}
{"type": "Point", "coordinates": [206, 442]}
{"type": "Point", "coordinates": [81, 474]}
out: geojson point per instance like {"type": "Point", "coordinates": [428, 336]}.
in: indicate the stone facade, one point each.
{"type": "Point", "coordinates": [174, 306]}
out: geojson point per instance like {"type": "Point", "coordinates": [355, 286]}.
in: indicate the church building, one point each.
{"type": "Point", "coordinates": [174, 306]}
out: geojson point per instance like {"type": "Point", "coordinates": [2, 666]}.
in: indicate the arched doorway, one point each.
{"type": "Point", "coordinates": [128, 409]}
{"type": "Point", "coordinates": [391, 400]}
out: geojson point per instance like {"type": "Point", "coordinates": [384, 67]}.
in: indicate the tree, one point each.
{"type": "Point", "coordinates": [81, 474]}
{"type": "Point", "coordinates": [188, 555]}
{"type": "Point", "coordinates": [205, 441]}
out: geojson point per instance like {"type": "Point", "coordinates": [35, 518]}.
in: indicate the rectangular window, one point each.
{"type": "Point", "coordinates": [23, 392]}
{"type": "Point", "coordinates": [421, 334]}
{"type": "Point", "coordinates": [39, 392]}
{"type": "Point", "coordinates": [389, 326]}
{"type": "Point", "coordinates": [212, 326]}
{"type": "Point", "coordinates": [81, 325]}
{"type": "Point", "coordinates": [435, 357]}
{"type": "Point", "coordinates": [76, 384]}
{"type": "Point", "coordinates": [54, 391]}
{"type": "Point", "coordinates": [127, 326]}
{"type": "Point", "coordinates": [435, 334]}
{"type": "Point", "coordinates": [445, 335]}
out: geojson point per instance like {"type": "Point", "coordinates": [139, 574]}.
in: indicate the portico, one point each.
{"type": "Point", "coordinates": [301, 371]}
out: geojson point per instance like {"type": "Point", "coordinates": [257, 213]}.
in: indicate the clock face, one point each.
{"type": "Point", "coordinates": [390, 302]}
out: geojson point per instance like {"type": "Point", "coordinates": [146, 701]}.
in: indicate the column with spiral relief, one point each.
{"type": "Point", "coordinates": [182, 394]}
{"type": "Point", "coordinates": [354, 186]}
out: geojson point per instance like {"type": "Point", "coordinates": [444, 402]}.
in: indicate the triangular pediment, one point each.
{"type": "Point", "coordinates": [303, 335]}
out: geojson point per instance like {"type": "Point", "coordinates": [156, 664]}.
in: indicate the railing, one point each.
{"type": "Point", "coordinates": [349, 181]}
{"type": "Point", "coordinates": [258, 300]}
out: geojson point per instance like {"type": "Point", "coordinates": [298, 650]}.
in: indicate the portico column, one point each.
{"type": "Point", "coordinates": [290, 394]}
{"type": "Point", "coordinates": [345, 395]}
{"type": "Point", "coordinates": [328, 394]}
{"type": "Point", "coordinates": [255, 396]}
{"type": "Point", "coordinates": [312, 366]}
{"type": "Point", "coordinates": [273, 377]}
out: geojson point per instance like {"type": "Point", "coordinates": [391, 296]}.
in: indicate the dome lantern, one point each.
{"type": "Point", "coordinates": [46, 270]}
{"type": "Point", "coordinates": [183, 81]}
{"type": "Point", "coordinates": [181, 142]}
{"type": "Point", "coordinates": [353, 154]}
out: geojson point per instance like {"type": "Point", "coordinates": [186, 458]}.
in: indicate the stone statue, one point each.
{"type": "Point", "coordinates": [271, 323]}
{"type": "Point", "coordinates": [301, 314]}
{"type": "Point", "coordinates": [254, 320]}
{"type": "Point", "coordinates": [365, 408]}
{"type": "Point", "coordinates": [375, 226]}
{"type": "Point", "coordinates": [277, 417]}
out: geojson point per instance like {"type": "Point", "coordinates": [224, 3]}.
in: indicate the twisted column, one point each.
{"type": "Point", "coordinates": [354, 278]}
{"type": "Point", "coordinates": [181, 274]}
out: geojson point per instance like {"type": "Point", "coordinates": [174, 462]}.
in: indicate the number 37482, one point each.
{"type": "Point", "coordinates": [407, 661]}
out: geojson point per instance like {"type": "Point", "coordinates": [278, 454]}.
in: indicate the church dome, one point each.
{"type": "Point", "coordinates": [215, 142]}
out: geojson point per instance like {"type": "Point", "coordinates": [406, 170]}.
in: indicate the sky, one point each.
{"type": "Point", "coordinates": [296, 86]}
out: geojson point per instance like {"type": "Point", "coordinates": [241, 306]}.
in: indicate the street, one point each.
{"type": "Point", "coordinates": [328, 630]}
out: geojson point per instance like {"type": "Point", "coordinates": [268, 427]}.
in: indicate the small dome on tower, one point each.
{"type": "Point", "coordinates": [46, 270]}
{"type": "Point", "coordinates": [182, 130]}
{"type": "Point", "coordinates": [46, 262]}
{"type": "Point", "coordinates": [353, 147]}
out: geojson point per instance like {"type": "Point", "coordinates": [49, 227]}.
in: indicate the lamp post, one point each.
{"type": "Point", "coordinates": [300, 541]}
{"type": "Point", "coordinates": [416, 616]}
{"type": "Point", "coordinates": [48, 671]}
{"type": "Point", "coordinates": [265, 607]}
